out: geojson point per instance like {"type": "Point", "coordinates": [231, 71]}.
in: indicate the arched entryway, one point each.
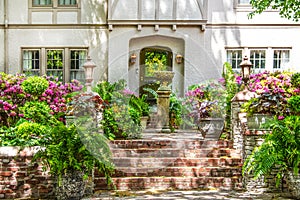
{"type": "Point", "coordinates": [165, 46]}
{"type": "Point", "coordinates": [153, 59]}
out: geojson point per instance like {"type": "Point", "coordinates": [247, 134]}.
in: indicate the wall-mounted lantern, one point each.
{"type": "Point", "coordinates": [179, 58]}
{"type": "Point", "coordinates": [246, 69]}
{"type": "Point", "coordinates": [89, 66]}
{"type": "Point", "coordinates": [132, 58]}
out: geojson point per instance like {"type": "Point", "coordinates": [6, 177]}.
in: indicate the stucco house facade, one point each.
{"type": "Point", "coordinates": [55, 37]}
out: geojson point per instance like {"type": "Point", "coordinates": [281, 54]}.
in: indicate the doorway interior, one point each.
{"type": "Point", "coordinates": [153, 59]}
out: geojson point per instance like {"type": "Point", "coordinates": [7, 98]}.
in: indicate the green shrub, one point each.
{"type": "Point", "coordinates": [37, 111]}
{"type": "Point", "coordinates": [294, 104]}
{"type": "Point", "coordinates": [25, 133]}
{"type": "Point", "coordinates": [35, 85]}
{"type": "Point", "coordinates": [295, 80]}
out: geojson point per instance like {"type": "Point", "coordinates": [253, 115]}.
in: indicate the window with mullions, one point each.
{"type": "Point", "coordinates": [78, 58]}
{"type": "Point", "coordinates": [280, 58]}
{"type": "Point", "coordinates": [54, 2]}
{"type": "Point", "coordinates": [234, 57]}
{"type": "Point", "coordinates": [55, 65]}
{"type": "Point", "coordinates": [31, 62]}
{"type": "Point", "coordinates": [244, 1]}
{"type": "Point", "coordinates": [42, 2]}
{"type": "Point", "coordinates": [258, 59]}
{"type": "Point", "coordinates": [67, 2]}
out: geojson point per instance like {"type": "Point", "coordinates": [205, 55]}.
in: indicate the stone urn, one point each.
{"type": "Point", "coordinates": [71, 186]}
{"type": "Point", "coordinates": [165, 78]}
{"type": "Point", "coordinates": [293, 184]}
{"type": "Point", "coordinates": [211, 128]}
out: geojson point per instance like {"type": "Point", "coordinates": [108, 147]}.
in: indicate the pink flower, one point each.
{"type": "Point", "coordinates": [280, 117]}
{"type": "Point", "coordinates": [12, 114]}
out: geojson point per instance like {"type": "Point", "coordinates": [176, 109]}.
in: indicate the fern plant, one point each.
{"type": "Point", "coordinates": [280, 150]}
{"type": "Point", "coordinates": [73, 151]}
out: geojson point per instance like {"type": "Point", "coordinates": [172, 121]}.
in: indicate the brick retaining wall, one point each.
{"type": "Point", "coordinates": [19, 178]}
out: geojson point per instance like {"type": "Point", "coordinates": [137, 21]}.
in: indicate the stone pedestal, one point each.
{"type": "Point", "coordinates": [163, 104]}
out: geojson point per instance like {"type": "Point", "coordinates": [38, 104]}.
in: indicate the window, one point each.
{"type": "Point", "coordinates": [78, 57]}
{"type": "Point", "coordinates": [258, 59]}
{"type": "Point", "coordinates": [244, 1]}
{"type": "Point", "coordinates": [262, 58]}
{"type": "Point", "coordinates": [67, 2]}
{"type": "Point", "coordinates": [31, 62]}
{"type": "Point", "coordinates": [56, 63]}
{"type": "Point", "coordinates": [280, 58]}
{"type": "Point", "coordinates": [54, 3]}
{"type": "Point", "coordinates": [42, 2]}
{"type": "Point", "coordinates": [234, 57]}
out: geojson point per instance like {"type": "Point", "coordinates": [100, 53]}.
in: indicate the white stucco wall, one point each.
{"type": "Point", "coordinates": [200, 63]}
{"type": "Point", "coordinates": [94, 39]}
{"type": "Point", "coordinates": [17, 11]}
{"type": "Point", "coordinates": [2, 51]}
{"type": "Point", "coordinates": [1, 11]}
{"type": "Point", "coordinates": [93, 12]}
{"type": "Point", "coordinates": [2, 35]}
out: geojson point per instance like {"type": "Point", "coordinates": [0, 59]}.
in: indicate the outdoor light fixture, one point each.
{"type": "Point", "coordinates": [246, 69]}
{"type": "Point", "coordinates": [132, 58]}
{"type": "Point", "coordinates": [179, 58]}
{"type": "Point", "coordinates": [89, 66]}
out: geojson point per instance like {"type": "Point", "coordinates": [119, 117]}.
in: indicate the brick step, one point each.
{"type": "Point", "coordinates": [179, 172]}
{"type": "Point", "coordinates": [176, 162]}
{"type": "Point", "coordinates": [168, 143]}
{"type": "Point", "coordinates": [167, 183]}
{"type": "Point", "coordinates": [175, 152]}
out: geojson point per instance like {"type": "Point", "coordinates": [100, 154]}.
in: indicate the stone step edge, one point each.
{"type": "Point", "coordinates": [170, 149]}
{"type": "Point", "coordinates": [170, 178]}
{"type": "Point", "coordinates": [183, 167]}
{"type": "Point", "coordinates": [180, 158]}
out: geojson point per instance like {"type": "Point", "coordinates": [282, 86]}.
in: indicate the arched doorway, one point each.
{"type": "Point", "coordinates": [153, 59]}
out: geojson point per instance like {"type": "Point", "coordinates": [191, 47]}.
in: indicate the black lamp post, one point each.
{"type": "Point", "coordinates": [246, 70]}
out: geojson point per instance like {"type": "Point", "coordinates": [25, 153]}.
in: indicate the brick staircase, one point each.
{"type": "Point", "coordinates": [174, 163]}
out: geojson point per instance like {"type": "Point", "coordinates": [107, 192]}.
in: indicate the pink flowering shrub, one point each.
{"type": "Point", "coordinates": [273, 91]}
{"type": "Point", "coordinates": [14, 95]}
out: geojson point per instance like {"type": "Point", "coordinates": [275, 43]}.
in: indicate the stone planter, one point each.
{"type": "Point", "coordinates": [144, 120]}
{"type": "Point", "coordinates": [72, 187]}
{"type": "Point", "coordinates": [293, 184]}
{"type": "Point", "coordinates": [211, 128]}
{"type": "Point", "coordinates": [165, 78]}
{"type": "Point", "coordinates": [255, 122]}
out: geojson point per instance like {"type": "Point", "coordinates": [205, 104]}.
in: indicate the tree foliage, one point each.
{"type": "Point", "coordinates": [289, 9]}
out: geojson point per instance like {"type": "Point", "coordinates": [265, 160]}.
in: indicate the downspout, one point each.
{"type": "Point", "coordinates": [5, 37]}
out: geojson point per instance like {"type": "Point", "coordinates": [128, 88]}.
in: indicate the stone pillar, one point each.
{"type": "Point", "coordinates": [163, 104]}
{"type": "Point", "coordinates": [238, 119]}
{"type": "Point", "coordinates": [163, 100]}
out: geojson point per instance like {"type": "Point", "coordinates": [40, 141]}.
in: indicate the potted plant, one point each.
{"type": "Point", "coordinates": [204, 106]}
{"type": "Point", "coordinates": [141, 105]}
